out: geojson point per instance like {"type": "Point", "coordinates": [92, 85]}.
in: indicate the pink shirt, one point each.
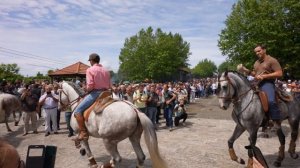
{"type": "Point", "coordinates": [97, 77]}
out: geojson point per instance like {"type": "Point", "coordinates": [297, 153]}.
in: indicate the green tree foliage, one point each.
{"type": "Point", "coordinates": [9, 72]}
{"type": "Point", "coordinates": [274, 23]}
{"type": "Point", "coordinates": [153, 55]}
{"type": "Point", "coordinates": [227, 65]}
{"type": "Point", "coordinates": [204, 68]}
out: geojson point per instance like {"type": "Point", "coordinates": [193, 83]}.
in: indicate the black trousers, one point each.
{"type": "Point", "coordinates": [178, 118]}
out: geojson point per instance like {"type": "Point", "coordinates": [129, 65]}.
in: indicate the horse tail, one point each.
{"type": "Point", "coordinates": [151, 141]}
{"type": "Point", "coordinates": [2, 111]}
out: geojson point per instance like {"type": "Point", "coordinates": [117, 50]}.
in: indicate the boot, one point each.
{"type": "Point", "coordinates": [83, 134]}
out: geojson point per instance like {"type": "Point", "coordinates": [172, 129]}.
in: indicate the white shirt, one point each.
{"type": "Point", "coordinates": [49, 102]}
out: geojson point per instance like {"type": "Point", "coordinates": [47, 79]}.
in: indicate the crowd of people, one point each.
{"type": "Point", "coordinates": [156, 100]}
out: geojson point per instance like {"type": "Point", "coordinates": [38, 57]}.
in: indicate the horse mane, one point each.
{"type": "Point", "coordinates": [242, 76]}
{"type": "Point", "coordinates": [77, 88]}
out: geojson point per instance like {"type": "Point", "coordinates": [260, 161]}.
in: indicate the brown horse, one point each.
{"type": "Point", "coordinates": [9, 104]}
{"type": "Point", "coordinates": [9, 157]}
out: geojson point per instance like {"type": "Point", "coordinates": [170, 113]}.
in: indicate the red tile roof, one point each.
{"type": "Point", "coordinates": [78, 68]}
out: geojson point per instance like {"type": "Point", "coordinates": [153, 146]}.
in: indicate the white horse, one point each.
{"type": "Point", "coordinates": [9, 104]}
{"type": "Point", "coordinates": [115, 123]}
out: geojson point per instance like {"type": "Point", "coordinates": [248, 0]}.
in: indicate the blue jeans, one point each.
{"type": "Point", "coordinates": [269, 88]}
{"type": "Point", "coordinates": [87, 101]}
{"type": "Point", "coordinates": [68, 120]}
{"type": "Point", "coordinates": [168, 113]}
{"type": "Point", "coordinates": [151, 113]}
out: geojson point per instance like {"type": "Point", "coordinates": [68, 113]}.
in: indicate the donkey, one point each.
{"type": "Point", "coordinates": [9, 104]}
{"type": "Point", "coordinates": [248, 114]}
{"type": "Point", "coordinates": [115, 123]}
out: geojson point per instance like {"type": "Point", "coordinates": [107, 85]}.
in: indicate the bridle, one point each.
{"type": "Point", "coordinates": [236, 99]}
{"type": "Point", "coordinates": [70, 103]}
{"type": "Point", "coordinates": [232, 98]}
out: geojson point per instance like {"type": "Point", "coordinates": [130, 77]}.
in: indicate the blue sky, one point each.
{"type": "Point", "coordinates": [63, 32]}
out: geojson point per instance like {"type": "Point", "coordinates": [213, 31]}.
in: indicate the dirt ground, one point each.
{"type": "Point", "coordinates": [201, 143]}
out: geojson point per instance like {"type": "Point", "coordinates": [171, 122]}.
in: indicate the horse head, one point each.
{"type": "Point", "coordinates": [232, 84]}
{"type": "Point", "coordinates": [69, 94]}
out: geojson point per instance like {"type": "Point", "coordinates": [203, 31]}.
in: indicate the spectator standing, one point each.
{"type": "Point", "coordinates": [48, 101]}
{"type": "Point", "coordinates": [140, 98]}
{"type": "Point", "coordinates": [29, 104]}
{"type": "Point", "coordinates": [168, 99]}
{"type": "Point", "coordinates": [152, 102]}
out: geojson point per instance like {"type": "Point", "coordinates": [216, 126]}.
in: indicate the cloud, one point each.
{"type": "Point", "coordinates": [69, 31]}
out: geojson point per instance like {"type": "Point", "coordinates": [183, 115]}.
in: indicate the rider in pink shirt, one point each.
{"type": "Point", "coordinates": [97, 77]}
{"type": "Point", "coordinates": [97, 80]}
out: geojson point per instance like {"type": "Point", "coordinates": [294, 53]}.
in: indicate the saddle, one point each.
{"type": "Point", "coordinates": [104, 99]}
{"type": "Point", "coordinates": [264, 100]}
{"type": "Point", "coordinates": [282, 95]}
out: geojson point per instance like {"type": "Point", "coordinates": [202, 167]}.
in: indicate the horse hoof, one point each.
{"type": "Point", "coordinates": [294, 155]}
{"type": "Point", "coordinates": [9, 130]}
{"type": "Point", "coordinates": [82, 152]}
{"type": "Point", "coordinates": [16, 123]}
{"type": "Point", "coordinates": [242, 161]}
{"type": "Point", "coordinates": [277, 163]}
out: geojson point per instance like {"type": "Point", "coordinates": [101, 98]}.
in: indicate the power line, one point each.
{"type": "Point", "coordinates": [28, 55]}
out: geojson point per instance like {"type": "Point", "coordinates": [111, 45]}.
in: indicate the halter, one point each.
{"type": "Point", "coordinates": [70, 103]}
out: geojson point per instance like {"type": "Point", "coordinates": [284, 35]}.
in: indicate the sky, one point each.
{"type": "Point", "coordinates": [40, 35]}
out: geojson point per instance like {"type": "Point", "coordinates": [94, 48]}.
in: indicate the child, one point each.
{"type": "Point", "coordinates": [180, 112]}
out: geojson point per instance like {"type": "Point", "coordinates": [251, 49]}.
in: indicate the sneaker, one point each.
{"type": "Point", "coordinates": [170, 129]}
{"type": "Point", "coordinates": [47, 134]}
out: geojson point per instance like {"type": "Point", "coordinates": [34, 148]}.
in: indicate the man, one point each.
{"type": "Point", "coordinates": [266, 70]}
{"type": "Point", "coordinates": [152, 102]}
{"type": "Point", "coordinates": [140, 98]}
{"type": "Point", "coordinates": [49, 103]}
{"type": "Point", "coordinates": [97, 81]}
{"type": "Point", "coordinates": [29, 103]}
{"type": "Point", "coordinates": [169, 98]}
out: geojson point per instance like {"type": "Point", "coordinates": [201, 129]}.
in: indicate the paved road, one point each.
{"type": "Point", "coordinates": [202, 143]}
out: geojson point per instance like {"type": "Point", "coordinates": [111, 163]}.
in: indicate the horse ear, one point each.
{"type": "Point", "coordinates": [226, 73]}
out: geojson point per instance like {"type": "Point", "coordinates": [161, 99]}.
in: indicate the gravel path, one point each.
{"type": "Point", "coordinates": [201, 143]}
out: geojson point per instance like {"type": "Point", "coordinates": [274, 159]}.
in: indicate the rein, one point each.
{"type": "Point", "coordinates": [233, 98]}
{"type": "Point", "coordinates": [70, 103]}
{"type": "Point", "coordinates": [236, 99]}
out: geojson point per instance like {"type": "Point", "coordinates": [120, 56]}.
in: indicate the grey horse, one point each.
{"type": "Point", "coordinates": [248, 114]}
{"type": "Point", "coordinates": [9, 104]}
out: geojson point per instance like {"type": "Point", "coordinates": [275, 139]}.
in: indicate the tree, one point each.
{"type": "Point", "coordinates": [153, 55]}
{"type": "Point", "coordinates": [9, 72]}
{"type": "Point", "coordinates": [204, 68]}
{"type": "Point", "coordinates": [227, 65]}
{"type": "Point", "coordinates": [274, 23]}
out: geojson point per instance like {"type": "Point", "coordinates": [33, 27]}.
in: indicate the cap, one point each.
{"type": "Point", "coordinates": [94, 57]}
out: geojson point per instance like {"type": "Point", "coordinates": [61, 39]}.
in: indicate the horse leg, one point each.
{"type": "Point", "coordinates": [281, 138]}
{"type": "Point", "coordinates": [135, 141]}
{"type": "Point", "coordinates": [6, 123]}
{"type": "Point", "coordinates": [112, 149]}
{"type": "Point", "coordinates": [252, 139]}
{"type": "Point", "coordinates": [238, 130]}
{"type": "Point", "coordinates": [18, 119]}
{"type": "Point", "coordinates": [86, 150]}
{"type": "Point", "coordinates": [264, 125]}
{"type": "Point", "coordinates": [294, 124]}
